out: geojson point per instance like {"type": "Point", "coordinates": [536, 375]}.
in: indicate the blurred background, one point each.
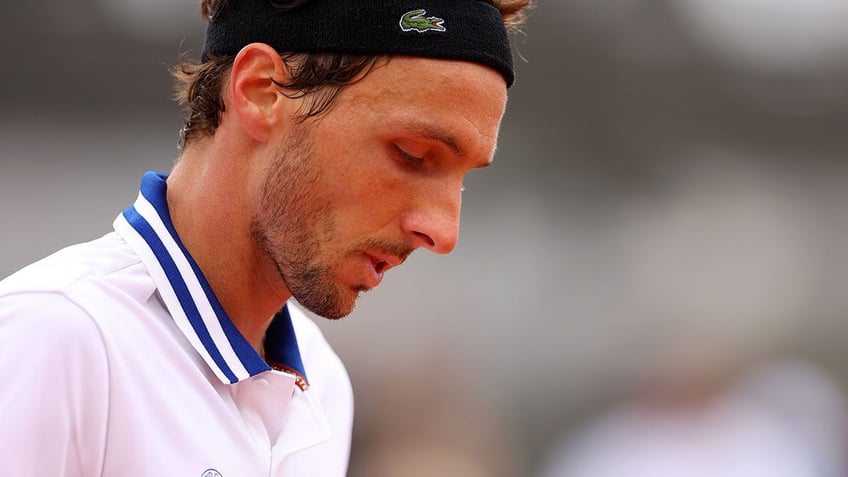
{"type": "Point", "coordinates": [649, 282]}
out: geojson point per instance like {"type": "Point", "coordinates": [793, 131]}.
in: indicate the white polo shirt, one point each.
{"type": "Point", "coordinates": [117, 360]}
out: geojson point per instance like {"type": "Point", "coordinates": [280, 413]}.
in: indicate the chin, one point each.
{"type": "Point", "coordinates": [333, 306]}
{"type": "Point", "coordinates": [337, 314]}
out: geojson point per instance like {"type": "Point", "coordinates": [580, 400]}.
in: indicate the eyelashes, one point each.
{"type": "Point", "coordinates": [409, 158]}
{"type": "Point", "coordinates": [413, 161]}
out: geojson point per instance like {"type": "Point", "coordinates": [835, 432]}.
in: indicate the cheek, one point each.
{"type": "Point", "coordinates": [367, 188]}
{"type": "Point", "coordinates": [366, 208]}
{"type": "Point", "coordinates": [368, 184]}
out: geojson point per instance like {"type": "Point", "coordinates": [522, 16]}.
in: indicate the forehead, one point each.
{"type": "Point", "coordinates": [466, 98]}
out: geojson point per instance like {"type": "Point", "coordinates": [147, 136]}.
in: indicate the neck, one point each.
{"type": "Point", "coordinates": [208, 198]}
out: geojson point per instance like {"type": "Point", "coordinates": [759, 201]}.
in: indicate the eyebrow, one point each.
{"type": "Point", "coordinates": [437, 134]}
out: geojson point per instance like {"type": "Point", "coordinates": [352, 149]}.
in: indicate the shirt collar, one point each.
{"type": "Point", "coordinates": [147, 227]}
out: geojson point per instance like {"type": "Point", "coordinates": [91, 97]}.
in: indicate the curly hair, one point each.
{"type": "Point", "coordinates": [316, 77]}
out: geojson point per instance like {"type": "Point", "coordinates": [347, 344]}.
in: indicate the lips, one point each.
{"type": "Point", "coordinates": [380, 264]}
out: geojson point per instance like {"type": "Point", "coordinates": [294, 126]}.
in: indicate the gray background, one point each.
{"type": "Point", "coordinates": [668, 197]}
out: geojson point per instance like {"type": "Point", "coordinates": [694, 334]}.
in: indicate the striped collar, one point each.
{"type": "Point", "coordinates": [147, 227]}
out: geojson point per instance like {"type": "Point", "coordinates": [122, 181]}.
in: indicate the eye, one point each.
{"type": "Point", "coordinates": [409, 158]}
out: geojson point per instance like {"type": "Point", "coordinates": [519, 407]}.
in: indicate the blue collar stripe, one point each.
{"type": "Point", "coordinates": [153, 188]}
{"type": "Point", "coordinates": [179, 289]}
{"type": "Point", "coordinates": [281, 342]}
{"type": "Point", "coordinates": [147, 227]}
{"type": "Point", "coordinates": [184, 272]}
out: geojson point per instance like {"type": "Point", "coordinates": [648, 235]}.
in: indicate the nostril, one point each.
{"type": "Point", "coordinates": [426, 238]}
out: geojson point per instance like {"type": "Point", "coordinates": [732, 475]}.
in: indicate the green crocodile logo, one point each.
{"type": "Point", "coordinates": [415, 20]}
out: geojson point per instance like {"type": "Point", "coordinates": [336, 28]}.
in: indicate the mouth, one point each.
{"type": "Point", "coordinates": [380, 264]}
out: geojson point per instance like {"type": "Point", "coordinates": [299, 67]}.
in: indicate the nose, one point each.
{"type": "Point", "coordinates": [434, 227]}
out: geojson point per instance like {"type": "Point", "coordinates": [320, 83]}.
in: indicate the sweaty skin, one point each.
{"type": "Point", "coordinates": [415, 20]}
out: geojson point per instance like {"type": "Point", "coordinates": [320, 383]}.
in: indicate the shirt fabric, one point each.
{"type": "Point", "coordinates": [118, 360]}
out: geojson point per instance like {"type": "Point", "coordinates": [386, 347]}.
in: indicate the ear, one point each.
{"type": "Point", "coordinates": [254, 98]}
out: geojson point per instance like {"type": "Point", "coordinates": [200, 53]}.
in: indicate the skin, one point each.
{"type": "Point", "coordinates": [271, 208]}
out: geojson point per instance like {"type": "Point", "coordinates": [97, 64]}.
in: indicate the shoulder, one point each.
{"type": "Point", "coordinates": [38, 300]}
{"type": "Point", "coordinates": [46, 334]}
{"type": "Point", "coordinates": [55, 369]}
{"type": "Point", "coordinates": [99, 257]}
{"type": "Point", "coordinates": [41, 303]}
{"type": "Point", "coordinates": [61, 302]}
{"type": "Point", "coordinates": [48, 318]}
{"type": "Point", "coordinates": [81, 273]}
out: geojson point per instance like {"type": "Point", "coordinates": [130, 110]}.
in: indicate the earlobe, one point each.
{"type": "Point", "coordinates": [254, 97]}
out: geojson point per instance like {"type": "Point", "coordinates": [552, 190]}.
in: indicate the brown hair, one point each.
{"type": "Point", "coordinates": [318, 77]}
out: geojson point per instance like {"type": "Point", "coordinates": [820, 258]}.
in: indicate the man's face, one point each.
{"type": "Point", "coordinates": [352, 194]}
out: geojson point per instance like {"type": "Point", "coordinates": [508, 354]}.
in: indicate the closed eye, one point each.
{"type": "Point", "coordinates": [407, 157]}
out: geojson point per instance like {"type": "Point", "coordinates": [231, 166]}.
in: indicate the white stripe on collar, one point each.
{"type": "Point", "coordinates": [146, 226]}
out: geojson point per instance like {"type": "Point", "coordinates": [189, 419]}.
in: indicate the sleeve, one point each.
{"type": "Point", "coordinates": [54, 393]}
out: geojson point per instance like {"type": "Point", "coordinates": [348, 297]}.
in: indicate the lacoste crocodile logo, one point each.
{"type": "Point", "coordinates": [415, 20]}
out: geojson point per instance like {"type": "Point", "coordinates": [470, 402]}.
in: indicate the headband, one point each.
{"type": "Point", "coordinates": [468, 30]}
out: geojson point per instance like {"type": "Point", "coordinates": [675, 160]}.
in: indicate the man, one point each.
{"type": "Point", "coordinates": [325, 141]}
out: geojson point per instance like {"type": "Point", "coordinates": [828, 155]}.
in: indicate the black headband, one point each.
{"type": "Point", "coordinates": [469, 30]}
